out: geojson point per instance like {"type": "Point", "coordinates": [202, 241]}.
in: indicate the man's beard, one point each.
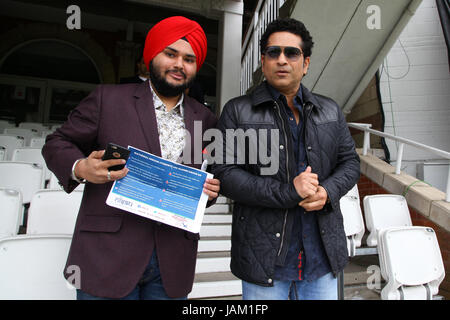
{"type": "Point", "coordinates": [163, 87]}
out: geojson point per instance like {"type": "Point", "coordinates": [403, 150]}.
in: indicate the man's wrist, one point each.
{"type": "Point", "coordinates": [74, 176]}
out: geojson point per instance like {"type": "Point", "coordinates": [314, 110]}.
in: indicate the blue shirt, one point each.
{"type": "Point", "coordinates": [306, 258]}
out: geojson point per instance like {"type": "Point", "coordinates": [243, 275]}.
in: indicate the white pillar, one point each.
{"type": "Point", "coordinates": [229, 55]}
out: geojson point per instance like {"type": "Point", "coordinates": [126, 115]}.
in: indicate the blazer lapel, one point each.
{"type": "Point", "coordinates": [147, 117]}
{"type": "Point", "coordinates": [191, 115]}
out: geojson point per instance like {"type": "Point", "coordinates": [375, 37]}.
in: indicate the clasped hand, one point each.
{"type": "Point", "coordinates": [307, 186]}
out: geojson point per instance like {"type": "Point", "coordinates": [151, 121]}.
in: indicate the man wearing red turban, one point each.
{"type": "Point", "coordinates": [120, 255]}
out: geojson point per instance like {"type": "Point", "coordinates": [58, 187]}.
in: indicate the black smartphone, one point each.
{"type": "Point", "coordinates": [114, 151]}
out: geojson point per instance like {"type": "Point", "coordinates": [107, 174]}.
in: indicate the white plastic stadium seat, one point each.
{"type": "Point", "coordinates": [353, 219]}
{"type": "Point", "coordinates": [39, 127]}
{"type": "Point", "coordinates": [23, 132]}
{"type": "Point", "coordinates": [6, 124]}
{"type": "Point", "coordinates": [31, 155]}
{"type": "Point", "coordinates": [55, 126]}
{"type": "Point", "coordinates": [45, 133]}
{"type": "Point", "coordinates": [384, 211]}
{"type": "Point", "coordinates": [37, 142]}
{"type": "Point", "coordinates": [25, 177]}
{"type": "Point", "coordinates": [10, 213]}
{"type": "Point", "coordinates": [31, 268]}
{"type": "Point", "coordinates": [2, 153]}
{"type": "Point", "coordinates": [53, 211]}
{"type": "Point", "coordinates": [11, 142]}
{"type": "Point", "coordinates": [54, 185]}
{"type": "Point", "coordinates": [410, 262]}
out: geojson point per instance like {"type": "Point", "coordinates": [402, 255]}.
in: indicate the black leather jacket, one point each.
{"type": "Point", "coordinates": [261, 223]}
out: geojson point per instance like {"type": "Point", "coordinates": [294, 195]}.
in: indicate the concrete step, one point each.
{"type": "Point", "coordinates": [360, 292]}
{"type": "Point", "coordinates": [210, 262]}
{"type": "Point", "coordinates": [208, 244]}
{"type": "Point", "coordinates": [217, 218]}
{"type": "Point", "coordinates": [215, 276]}
{"type": "Point", "coordinates": [218, 208]}
{"type": "Point", "coordinates": [215, 230]}
{"type": "Point", "coordinates": [216, 285]}
{"type": "Point", "coordinates": [222, 200]}
{"type": "Point", "coordinates": [216, 289]}
{"type": "Point", "coordinates": [357, 271]}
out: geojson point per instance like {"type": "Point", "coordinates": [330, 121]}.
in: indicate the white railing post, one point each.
{"type": "Point", "coordinates": [366, 143]}
{"type": "Point", "coordinates": [402, 141]}
{"type": "Point", "coordinates": [447, 194]}
{"type": "Point", "coordinates": [266, 11]}
{"type": "Point", "coordinates": [398, 166]}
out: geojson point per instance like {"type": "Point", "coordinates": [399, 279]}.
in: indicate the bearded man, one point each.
{"type": "Point", "coordinates": [122, 255]}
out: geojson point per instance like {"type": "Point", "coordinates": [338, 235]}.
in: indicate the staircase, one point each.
{"type": "Point", "coordinates": [214, 280]}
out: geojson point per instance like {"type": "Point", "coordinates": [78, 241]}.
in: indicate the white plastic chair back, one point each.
{"type": "Point", "coordinates": [353, 220]}
{"type": "Point", "coordinates": [54, 185]}
{"type": "Point", "coordinates": [37, 142]}
{"type": "Point", "coordinates": [23, 132]}
{"type": "Point", "coordinates": [55, 126]}
{"type": "Point", "coordinates": [45, 133]}
{"type": "Point", "coordinates": [28, 178]}
{"type": "Point", "coordinates": [410, 262]}
{"type": "Point", "coordinates": [31, 268]}
{"type": "Point", "coordinates": [53, 211]}
{"type": "Point", "coordinates": [11, 142]}
{"type": "Point", "coordinates": [384, 211]}
{"type": "Point", "coordinates": [6, 124]}
{"type": "Point", "coordinates": [31, 155]}
{"type": "Point", "coordinates": [39, 127]}
{"type": "Point", "coordinates": [353, 192]}
{"type": "Point", "coordinates": [10, 212]}
{"type": "Point", "coordinates": [2, 153]}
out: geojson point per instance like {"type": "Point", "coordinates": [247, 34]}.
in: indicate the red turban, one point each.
{"type": "Point", "coordinates": [168, 31]}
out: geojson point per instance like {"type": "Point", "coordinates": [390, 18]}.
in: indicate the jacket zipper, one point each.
{"type": "Point", "coordinates": [287, 170]}
{"type": "Point", "coordinates": [305, 116]}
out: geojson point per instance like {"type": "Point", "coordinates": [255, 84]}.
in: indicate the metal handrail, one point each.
{"type": "Point", "coordinates": [266, 11]}
{"type": "Point", "coordinates": [366, 146]}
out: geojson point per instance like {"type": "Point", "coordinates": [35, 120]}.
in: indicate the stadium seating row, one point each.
{"type": "Point", "coordinates": [410, 257]}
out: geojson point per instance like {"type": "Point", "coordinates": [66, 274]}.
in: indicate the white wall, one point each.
{"type": "Point", "coordinates": [415, 87]}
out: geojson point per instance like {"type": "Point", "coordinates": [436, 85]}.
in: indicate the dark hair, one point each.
{"type": "Point", "coordinates": [290, 25]}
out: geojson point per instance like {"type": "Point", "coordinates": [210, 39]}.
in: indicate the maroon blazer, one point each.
{"type": "Point", "coordinates": [112, 247]}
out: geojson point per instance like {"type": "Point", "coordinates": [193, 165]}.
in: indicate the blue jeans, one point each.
{"type": "Point", "coordinates": [148, 288]}
{"type": "Point", "coordinates": [324, 288]}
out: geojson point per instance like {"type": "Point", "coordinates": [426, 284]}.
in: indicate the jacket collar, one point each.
{"type": "Point", "coordinates": [261, 95]}
{"type": "Point", "coordinates": [147, 116]}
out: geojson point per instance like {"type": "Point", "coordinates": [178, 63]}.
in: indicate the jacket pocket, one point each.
{"type": "Point", "coordinates": [93, 223]}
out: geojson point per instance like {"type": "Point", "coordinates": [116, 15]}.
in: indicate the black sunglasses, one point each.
{"type": "Point", "coordinates": [291, 53]}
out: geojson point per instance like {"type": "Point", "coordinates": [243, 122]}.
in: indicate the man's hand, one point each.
{"type": "Point", "coordinates": [315, 202]}
{"type": "Point", "coordinates": [211, 188]}
{"type": "Point", "coordinates": [94, 170]}
{"type": "Point", "coordinates": [306, 183]}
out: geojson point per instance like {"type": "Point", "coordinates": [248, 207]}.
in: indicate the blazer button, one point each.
{"type": "Point", "coordinates": [309, 148]}
{"type": "Point", "coordinates": [277, 235]}
{"type": "Point", "coordinates": [242, 218]}
{"type": "Point", "coordinates": [281, 147]}
{"type": "Point", "coordinates": [322, 231]}
{"type": "Point", "coordinates": [269, 280]}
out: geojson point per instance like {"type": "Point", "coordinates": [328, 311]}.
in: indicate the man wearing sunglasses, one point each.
{"type": "Point", "coordinates": [288, 239]}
